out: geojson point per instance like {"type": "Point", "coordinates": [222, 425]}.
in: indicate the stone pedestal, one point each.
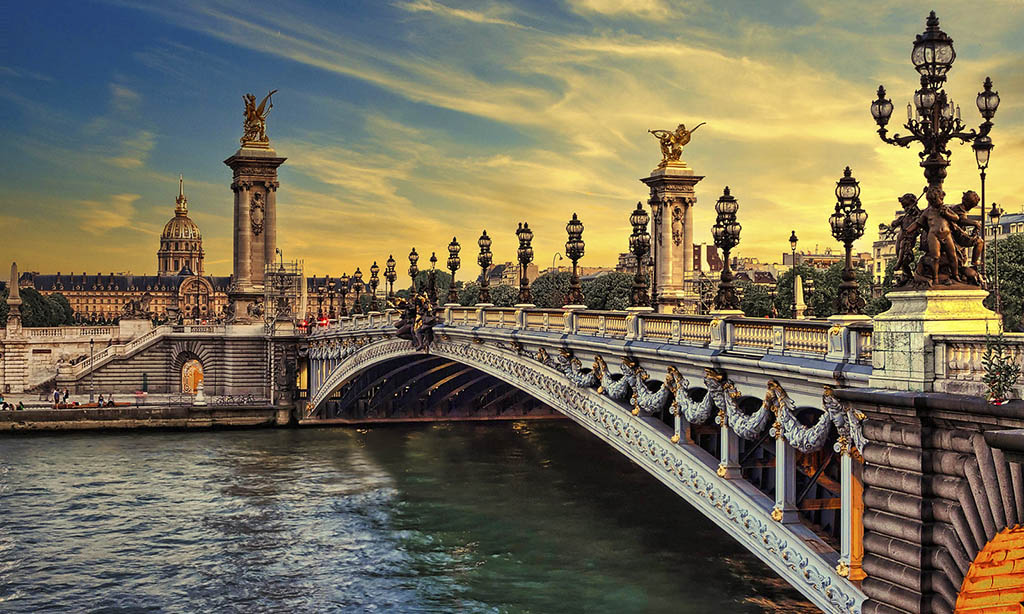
{"type": "Point", "coordinates": [672, 200]}
{"type": "Point", "coordinates": [254, 183]}
{"type": "Point", "coordinates": [902, 347]}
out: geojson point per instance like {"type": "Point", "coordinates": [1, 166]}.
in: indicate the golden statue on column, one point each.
{"type": "Point", "coordinates": [254, 127]}
{"type": "Point", "coordinates": [672, 143]}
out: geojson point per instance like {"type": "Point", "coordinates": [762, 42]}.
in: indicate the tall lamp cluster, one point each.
{"type": "Point", "coordinates": [847, 224]}
{"type": "Point", "coordinates": [574, 247]}
{"type": "Point", "coordinates": [639, 246]}
{"type": "Point", "coordinates": [726, 233]}
{"type": "Point", "coordinates": [525, 254]}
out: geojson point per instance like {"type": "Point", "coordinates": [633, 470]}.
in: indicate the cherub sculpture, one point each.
{"type": "Point", "coordinates": [904, 240]}
{"type": "Point", "coordinates": [254, 126]}
{"type": "Point", "coordinates": [673, 141]}
{"type": "Point", "coordinates": [944, 237]}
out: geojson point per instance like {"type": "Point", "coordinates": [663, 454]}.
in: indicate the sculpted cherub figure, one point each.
{"type": "Point", "coordinates": [905, 238]}
{"type": "Point", "coordinates": [974, 241]}
{"type": "Point", "coordinates": [937, 220]}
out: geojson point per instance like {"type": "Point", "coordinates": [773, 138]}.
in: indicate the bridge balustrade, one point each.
{"type": "Point", "coordinates": [959, 362]}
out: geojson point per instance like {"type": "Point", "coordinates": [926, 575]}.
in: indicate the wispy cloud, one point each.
{"type": "Point", "coordinates": [437, 8]}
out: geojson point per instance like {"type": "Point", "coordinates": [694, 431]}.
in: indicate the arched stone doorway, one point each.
{"type": "Point", "coordinates": [995, 581]}
{"type": "Point", "coordinates": [191, 375]}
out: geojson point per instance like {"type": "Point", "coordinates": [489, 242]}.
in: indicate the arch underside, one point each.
{"type": "Point", "coordinates": [792, 550]}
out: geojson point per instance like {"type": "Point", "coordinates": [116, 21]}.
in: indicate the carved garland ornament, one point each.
{"type": "Point", "coordinates": [256, 213]}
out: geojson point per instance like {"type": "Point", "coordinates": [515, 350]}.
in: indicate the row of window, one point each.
{"type": "Point", "coordinates": [179, 246]}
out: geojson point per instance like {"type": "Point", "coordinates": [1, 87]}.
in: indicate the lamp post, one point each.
{"type": "Point", "coordinates": [640, 246]}
{"type": "Point", "coordinates": [454, 262]}
{"type": "Point", "coordinates": [92, 364]}
{"type": "Point", "coordinates": [432, 279]}
{"type": "Point", "coordinates": [374, 282]}
{"type": "Point", "coordinates": [994, 216]}
{"type": "Point", "coordinates": [574, 250]}
{"type": "Point", "coordinates": [792, 263]}
{"type": "Point", "coordinates": [484, 260]}
{"type": "Point", "coordinates": [390, 275]}
{"type": "Point", "coordinates": [726, 233]}
{"type": "Point", "coordinates": [525, 253]}
{"type": "Point", "coordinates": [320, 302]}
{"type": "Point", "coordinates": [357, 287]}
{"type": "Point", "coordinates": [414, 270]}
{"type": "Point", "coordinates": [847, 224]}
{"type": "Point", "coordinates": [982, 151]}
{"type": "Point", "coordinates": [934, 120]}
{"type": "Point", "coordinates": [331, 293]}
{"type": "Point", "coordinates": [343, 287]}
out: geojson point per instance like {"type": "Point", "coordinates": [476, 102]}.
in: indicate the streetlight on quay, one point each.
{"type": "Point", "coordinates": [343, 287]}
{"type": "Point", "coordinates": [792, 265]}
{"type": "Point", "coordinates": [374, 282]}
{"type": "Point", "coordinates": [994, 216]}
{"type": "Point", "coordinates": [357, 287]}
{"type": "Point", "coordinates": [92, 364]}
{"type": "Point", "coordinates": [934, 120]}
{"type": "Point", "coordinates": [320, 302]}
{"type": "Point", "coordinates": [726, 233]}
{"type": "Point", "coordinates": [640, 246]}
{"type": "Point", "coordinates": [847, 224]}
{"type": "Point", "coordinates": [454, 262]}
{"type": "Point", "coordinates": [331, 293]}
{"type": "Point", "coordinates": [390, 275]}
{"type": "Point", "coordinates": [982, 151]}
{"type": "Point", "coordinates": [484, 260]}
{"type": "Point", "coordinates": [574, 248]}
{"type": "Point", "coordinates": [525, 254]}
{"type": "Point", "coordinates": [413, 269]}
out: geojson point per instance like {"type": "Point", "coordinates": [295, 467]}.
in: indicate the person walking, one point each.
{"type": "Point", "coordinates": [67, 393]}
{"type": "Point", "coordinates": [56, 397]}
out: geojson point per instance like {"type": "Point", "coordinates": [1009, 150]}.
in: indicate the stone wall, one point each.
{"type": "Point", "coordinates": [30, 356]}
{"type": "Point", "coordinates": [935, 493]}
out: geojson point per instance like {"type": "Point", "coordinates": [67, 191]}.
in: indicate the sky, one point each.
{"type": "Point", "coordinates": [408, 122]}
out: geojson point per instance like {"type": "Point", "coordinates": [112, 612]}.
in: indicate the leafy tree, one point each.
{"type": "Point", "coordinates": [880, 304]}
{"type": "Point", "coordinates": [551, 290]}
{"type": "Point", "coordinates": [784, 288]}
{"type": "Point", "coordinates": [443, 281]}
{"type": "Point", "coordinates": [1011, 280]}
{"type": "Point", "coordinates": [608, 292]}
{"type": "Point", "coordinates": [501, 295]}
{"type": "Point", "coordinates": [756, 302]}
{"type": "Point", "coordinates": [821, 302]}
{"type": "Point", "coordinates": [64, 314]}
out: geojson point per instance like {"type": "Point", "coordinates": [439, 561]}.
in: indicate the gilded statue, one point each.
{"type": "Point", "coordinates": [951, 244]}
{"type": "Point", "coordinates": [673, 141]}
{"type": "Point", "coordinates": [254, 126]}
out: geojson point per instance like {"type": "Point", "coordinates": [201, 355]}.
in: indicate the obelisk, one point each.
{"type": "Point", "coordinates": [254, 182]}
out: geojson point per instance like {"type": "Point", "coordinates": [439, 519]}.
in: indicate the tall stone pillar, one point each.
{"type": "Point", "coordinates": [254, 182]}
{"type": "Point", "coordinates": [672, 197]}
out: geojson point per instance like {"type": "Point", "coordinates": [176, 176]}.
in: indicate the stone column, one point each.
{"type": "Point", "coordinates": [688, 245]}
{"type": "Point", "coordinates": [270, 224]}
{"type": "Point", "coordinates": [243, 235]}
{"type": "Point", "coordinates": [672, 186]}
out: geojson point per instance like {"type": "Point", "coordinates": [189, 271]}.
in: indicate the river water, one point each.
{"type": "Point", "coordinates": [535, 517]}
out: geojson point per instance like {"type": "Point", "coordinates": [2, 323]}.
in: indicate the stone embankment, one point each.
{"type": "Point", "coordinates": [143, 417]}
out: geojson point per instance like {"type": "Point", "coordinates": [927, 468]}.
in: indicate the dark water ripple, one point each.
{"type": "Point", "coordinates": [498, 518]}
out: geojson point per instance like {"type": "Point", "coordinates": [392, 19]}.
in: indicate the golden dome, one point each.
{"type": "Point", "coordinates": [181, 225]}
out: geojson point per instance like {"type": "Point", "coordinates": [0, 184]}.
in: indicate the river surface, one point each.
{"type": "Point", "coordinates": [535, 517]}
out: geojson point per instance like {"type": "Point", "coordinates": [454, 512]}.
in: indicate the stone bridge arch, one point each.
{"type": "Point", "coordinates": [791, 550]}
{"type": "Point", "coordinates": [187, 350]}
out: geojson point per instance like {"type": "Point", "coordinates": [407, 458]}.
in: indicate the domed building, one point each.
{"type": "Point", "coordinates": [181, 244]}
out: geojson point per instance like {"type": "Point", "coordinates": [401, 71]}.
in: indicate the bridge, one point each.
{"type": "Point", "coordinates": [864, 500]}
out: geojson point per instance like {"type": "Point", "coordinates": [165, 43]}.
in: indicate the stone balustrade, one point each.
{"type": "Point", "coordinates": [959, 362]}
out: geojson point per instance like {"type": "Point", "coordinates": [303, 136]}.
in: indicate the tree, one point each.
{"type": "Point", "coordinates": [1011, 280]}
{"type": "Point", "coordinates": [443, 281]}
{"type": "Point", "coordinates": [784, 288]}
{"type": "Point", "coordinates": [879, 304]}
{"type": "Point", "coordinates": [821, 301]}
{"type": "Point", "coordinates": [756, 302]}
{"type": "Point", "coordinates": [609, 292]}
{"type": "Point", "coordinates": [551, 290]}
{"type": "Point", "coordinates": [501, 295]}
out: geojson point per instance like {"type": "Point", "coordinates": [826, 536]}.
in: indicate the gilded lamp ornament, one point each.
{"type": "Point", "coordinates": [672, 143]}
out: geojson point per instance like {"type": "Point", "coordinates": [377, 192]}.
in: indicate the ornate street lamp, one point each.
{"type": "Point", "coordinates": [640, 246]}
{"type": "Point", "coordinates": [994, 216]}
{"type": "Point", "coordinates": [847, 224]}
{"type": "Point", "coordinates": [331, 293]}
{"type": "Point", "coordinates": [792, 263]}
{"type": "Point", "coordinates": [574, 250]}
{"type": "Point", "coordinates": [726, 233]}
{"type": "Point", "coordinates": [525, 253]}
{"type": "Point", "coordinates": [936, 120]}
{"type": "Point", "coordinates": [357, 287]}
{"type": "Point", "coordinates": [343, 287]}
{"type": "Point", "coordinates": [390, 275]}
{"type": "Point", "coordinates": [432, 279]}
{"type": "Point", "coordinates": [374, 282]}
{"type": "Point", "coordinates": [414, 270]}
{"type": "Point", "coordinates": [484, 260]}
{"type": "Point", "coordinates": [319, 301]}
{"type": "Point", "coordinates": [454, 262]}
{"type": "Point", "coordinates": [982, 151]}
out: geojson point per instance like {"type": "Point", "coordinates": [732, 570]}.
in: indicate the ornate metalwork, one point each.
{"type": "Point", "coordinates": [414, 270]}
{"type": "Point", "coordinates": [574, 248]}
{"type": "Point", "coordinates": [454, 262]}
{"type": "Point", "coordinates": [390, 275]}
{"type": "Point", "coordinates": [484, 260]}
{"type": "Point", "coordinates": [847, 224]}
{"type": "Point", "coordinates": [374, 282]}
{"type": "Point", "coordinates": [639, 246]}
{"type": "Point", "coordinates": [726, 233]}
{"type": "Point", "coordinates": [525, 255]}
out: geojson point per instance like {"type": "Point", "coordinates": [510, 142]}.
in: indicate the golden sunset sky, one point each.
{"type": "Point", "coordinates": [410, 121]}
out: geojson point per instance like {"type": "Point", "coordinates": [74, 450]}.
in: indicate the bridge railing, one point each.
{"type": "Point", "coordinates": [959, 361]}
{"type": "Point", "coordinates": [71, 332]}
